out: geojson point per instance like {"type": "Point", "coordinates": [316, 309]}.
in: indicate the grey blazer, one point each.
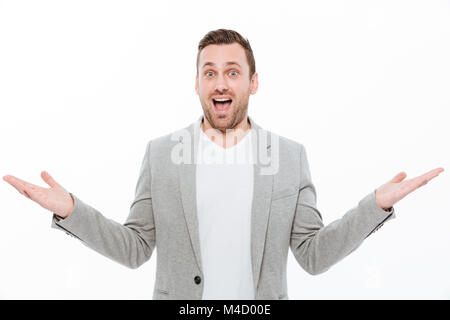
{"type": "Point", "coordinates": [163, 215]}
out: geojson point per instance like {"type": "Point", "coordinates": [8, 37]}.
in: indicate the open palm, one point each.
{"type": "Point", "coordinates": [55, 198]}
{"type": "Point", "coordinates": [397, 188]}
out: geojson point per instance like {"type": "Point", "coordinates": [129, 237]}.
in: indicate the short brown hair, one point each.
{"type": "Point", "coordinates": [224, 36]}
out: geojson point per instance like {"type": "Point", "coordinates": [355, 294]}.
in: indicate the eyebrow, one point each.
{"type": "Point", "coordinates": [212, 64]}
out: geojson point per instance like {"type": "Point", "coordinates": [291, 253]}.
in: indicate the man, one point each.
{"type": "Point", "coordinates": [223, 227]}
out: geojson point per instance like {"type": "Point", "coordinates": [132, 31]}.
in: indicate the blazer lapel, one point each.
{"type": "Point", "coordinates": [262, 190]}
{"type": "Point", "coordinates": [187, 183]}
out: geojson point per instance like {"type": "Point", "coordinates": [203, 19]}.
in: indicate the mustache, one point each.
{"type": "Point", "coordinates": [228, 91]}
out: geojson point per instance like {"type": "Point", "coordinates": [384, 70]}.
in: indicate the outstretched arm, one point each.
{"type": "Point", "coordinates": [130, 244]}
{"type": "Point", "coordinates": [317, 247]}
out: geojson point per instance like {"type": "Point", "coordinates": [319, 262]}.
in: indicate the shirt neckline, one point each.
{"type": "Point", "coordinates": [239, 144]}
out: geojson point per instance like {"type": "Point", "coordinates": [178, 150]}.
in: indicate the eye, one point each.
{"type": "Point", "coordinates": [209, 73]}
{"type": "Point", "coordinates": [233, 73]}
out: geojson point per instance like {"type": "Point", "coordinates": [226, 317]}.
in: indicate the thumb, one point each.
{"type": "Point", "coordinates": [399, 177]}
{"type": "Point", "coordinates": [48, 179]}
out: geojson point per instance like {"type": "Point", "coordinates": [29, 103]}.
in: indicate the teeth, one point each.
{"type": "Point", "coordinates": [222, 100]}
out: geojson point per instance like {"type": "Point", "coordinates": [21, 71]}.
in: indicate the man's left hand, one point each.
{"type": "Point", "coordinates": [396, 189]}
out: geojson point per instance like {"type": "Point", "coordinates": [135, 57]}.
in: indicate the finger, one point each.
{"type": "Point", "coordinates": [430, 175]}
{"type": "Point", "coordinates": [399, 177]}
{"type": "Point", "coordinates": [49, 179]}
{"type": "Point", "coordinates": [19, 184]}
{"type": "Point", "coordinates": [15, 182]}
{"type": "Point", "coordinates": [12, 181]}
{"type": "Point", "coordinates": [420, 181]}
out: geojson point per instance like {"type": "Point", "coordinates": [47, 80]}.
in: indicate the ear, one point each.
{"type": "Point", "coordinates": [196, 83]}
{"type": "Point", "coordinates": [254, 83]}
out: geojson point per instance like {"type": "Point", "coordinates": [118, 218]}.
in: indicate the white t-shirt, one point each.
{"type": "Point", "coordinates": [224, 200]}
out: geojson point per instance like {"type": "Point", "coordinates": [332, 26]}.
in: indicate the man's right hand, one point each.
{"type": "Point", "coordinates": [56, 198]}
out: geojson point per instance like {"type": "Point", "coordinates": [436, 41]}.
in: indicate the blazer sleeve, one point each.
{"type": "Point", "coordinates": [317, 247]}
{"type": "Point", "coordinates": [130, 244]}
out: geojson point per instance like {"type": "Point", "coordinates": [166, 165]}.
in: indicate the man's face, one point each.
{"type": "Point", "coordinates": [224, 85]}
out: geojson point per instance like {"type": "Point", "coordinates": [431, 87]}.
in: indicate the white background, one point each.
{"type": "Point", "coordinates": [364, 85]}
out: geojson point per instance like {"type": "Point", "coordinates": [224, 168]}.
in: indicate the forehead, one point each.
{"type": "Point", "coordinates": [220, 54]}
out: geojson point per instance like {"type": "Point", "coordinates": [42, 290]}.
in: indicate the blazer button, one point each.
{"type": "Point", "coordinates": [197, 280]}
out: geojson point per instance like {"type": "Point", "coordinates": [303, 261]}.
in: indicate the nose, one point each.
{"type": "Point", "coordinates": [221, 84]}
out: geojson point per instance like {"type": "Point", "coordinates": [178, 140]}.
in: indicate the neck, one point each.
{"type": "Point", "coordinates": [229, 137]}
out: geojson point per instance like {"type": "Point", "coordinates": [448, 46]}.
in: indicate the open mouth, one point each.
{"type": "Point", "coordinates": [222, 104]}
